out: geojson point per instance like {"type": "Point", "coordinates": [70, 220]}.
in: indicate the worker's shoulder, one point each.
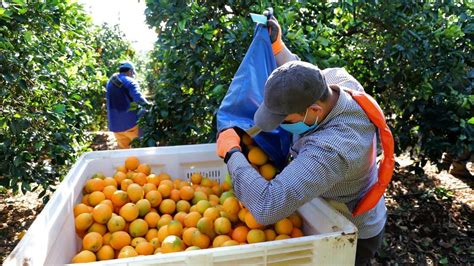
{"type": "Point", "coordinates": [128, 81]}
{"type": "Point", "coordinates": [340, 76]}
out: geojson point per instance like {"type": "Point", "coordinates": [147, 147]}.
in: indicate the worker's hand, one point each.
{"type": "Point", "coordinates": [274, 30]}
{"type": "Point", "coordinates": [227, 140]}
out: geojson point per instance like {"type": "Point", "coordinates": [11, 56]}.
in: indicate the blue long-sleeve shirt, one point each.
{"type": "Point", "coordinates": [120, 118]}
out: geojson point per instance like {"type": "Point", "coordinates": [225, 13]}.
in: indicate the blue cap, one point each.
{"type": "Point", "coordinates": [126, 64]}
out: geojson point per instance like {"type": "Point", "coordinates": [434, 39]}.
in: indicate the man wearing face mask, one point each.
{"type": "Point", "coordinates": [334, 126]}
{"type": "Point", "coordinates": [122, 90]}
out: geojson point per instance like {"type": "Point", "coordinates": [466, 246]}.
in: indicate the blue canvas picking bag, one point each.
{"type": "Point", "coordinates": [245, 95]}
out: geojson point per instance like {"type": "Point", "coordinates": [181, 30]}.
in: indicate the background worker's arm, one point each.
{"type": "Point", "coordinates": [281, 52]}
{"type": "Point", "coordinates": [285, 56]}
{"type": "Point", "coordinates": [134, 92]}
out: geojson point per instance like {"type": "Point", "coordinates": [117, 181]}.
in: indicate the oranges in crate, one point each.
{"type": "Point", "coordinates": [136, 212]}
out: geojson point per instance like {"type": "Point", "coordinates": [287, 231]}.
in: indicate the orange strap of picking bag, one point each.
{"type": "Point", "coordinates": [387, 165]}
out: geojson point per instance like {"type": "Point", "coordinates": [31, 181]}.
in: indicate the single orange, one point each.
{"type": "Point", "coordinates": [255, 236]}
{"type": "Point", "coordinates": [149, 187]}
{"type": "Point", "coordinates": [240, 233]}
{"type": "Point", "coordinates": [222, 226]}
{"type": "Point", "coordinates": [153, 179]}
{"type": "Point", "coordinates": [163, 233]}
{"type": "Point", "coordinates": [296, 220]}
{"type": "Point", "coordinates": [137, 240]}
{"type": "Point", "coordinates": [196, 178]}
{"type": "Point", "coordinates": [268, 171]}
{"type": "Point", "coordinates": [219, 240]}
{"type": "Point", "coordinates": [152, 233]}
{"type": "Point", "coordinates": [94, 184]}
{"type": "Point", "coordinates": [116, 223]}
{"type": "Point", "coordinates": [120, 239]}
{"type": "Point", "coordinates": [212, 212]}
{"type": "Point", "coordinates": [110, 181]}
{"type": "Point", "coordinates": [152, 219]}
{"type": "Point", "coordinates": [135, 192]}
{"type": "Point", "coordinates": [164, 176]}
{"type": "Point", "coordinates": [247, 140]}
{"type": "Point", "coordinates": [284, 227]}
{"type": "Point", "coordinates": [106, 252]}
{"type": "Point", "coordinates": [167, 206]}
{"type": "Point", "coordinates": [127, 252]}
{"type": "Point", "coordinates": [198, 196]}
{"type": "Point", "coordinates": [206, 226]}
{"type": "Point", "coordinates": [102, 213]}
{"type": "Point", "coordinates": [119, 177]}
{"type": "Point", "coordinates": [183, 206]}
{"type": "Point", "coordinates": [269, 234]}
{"type": "Point", "coordinates": [206, 182]}
{"type": "Point", "coordinates": [98, 228]}
{"type": "Point", "coordinates": [180, 217]}
{"type": "Point", "coordinates": [125, 183]}
{"type": "Point", "coordinates": [257, 156]}
{"type": "Point", "coordinates": [172, 243]}
{"type": "Point", "coordinates": [119, 198]}
{"type": "Point", "coordinates": [109, 191]}
{"type": "Point", "coordinates": [175, 228]}
{"type": "Point", "coordinates": [164, 220]}
{"type": "Point", "coordinates": [231, 205]}
{"type": "Point", "coordinates": [229, 243]}
{"type": "Point", "coordinates": [200, 240]}
{"type": "Point", "coordinates": [122, 169]}
{"type": "Point", "coordinates": [187, 235]}
{"type": "Point", "coordinates": [280, 237]}
{"type": "Point", "coordinates": [96, 197]}
{"type": "Point", "coordinates": [296, 232]}
{"type": "Point", "coordinates": [92, 241]}
{"type": "Point", "coordinates": [138, 227]}
{"type": "Point", "coordinates": [132, 163]}
{"type": "Point", "coordinates": [144, 248]}
{"type": "Point", "coordinates": [83, 221]}
{"type": "Point", "coordinates": [140, 178]}
{"type": "Point", "coordinates": [251, 222]}
{"type": "Point", "coordinates": [175, 195]}
{"type": "Point", "coordinates": [144, 168]}
{"type": "Point", "coordinates": [165, 189]}
{"type": "Point", "coordinates": [154, 197]}
{"type": "Point", "coordinates": [191, 219]}
{"type": "Point", "coordinates": [82, 208]}
{"type": "Point", "coordinates": [129, 212]}
{"type": "Point", "coordinates": [84, 256]}
{"type": "Point", "coordinates": [144, 206]}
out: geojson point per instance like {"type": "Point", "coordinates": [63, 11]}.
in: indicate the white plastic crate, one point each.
{"type": "Point", "coordinates": [51, 240]}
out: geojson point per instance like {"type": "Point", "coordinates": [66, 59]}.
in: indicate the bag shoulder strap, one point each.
{"type": "Point", "coordinates": [387, 164]}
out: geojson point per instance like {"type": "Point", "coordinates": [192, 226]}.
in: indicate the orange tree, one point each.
{"type": "Point", "coordinates": [415, 58]}
{"type": "Point", "coordinates": [52, 78]}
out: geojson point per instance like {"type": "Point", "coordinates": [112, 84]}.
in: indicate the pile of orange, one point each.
{"type": "Point", "coordinates": [136, 213]}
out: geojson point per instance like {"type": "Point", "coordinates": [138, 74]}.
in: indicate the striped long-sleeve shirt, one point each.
{"type": "Point", "coordinates": [335, 161]}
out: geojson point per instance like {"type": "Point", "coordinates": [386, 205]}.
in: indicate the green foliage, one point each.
{"type": "Point", "coordinates": [417, 59]}
{"type": "Point", "coordinates": [51, 87]}
{"type": "Point", "coordinates": [111, 48]}
{"type": "Point", "coordinates": [414, 57]}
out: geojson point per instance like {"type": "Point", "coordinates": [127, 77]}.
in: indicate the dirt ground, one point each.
{"type": "Point", "coordinates": [430, 216]}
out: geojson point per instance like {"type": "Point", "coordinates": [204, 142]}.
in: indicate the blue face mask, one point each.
{"type": "Point", "coordinates": [299, 127]}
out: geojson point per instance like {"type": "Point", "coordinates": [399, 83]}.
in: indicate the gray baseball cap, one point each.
{"type": "Point", "coordinates": [291, 88]}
